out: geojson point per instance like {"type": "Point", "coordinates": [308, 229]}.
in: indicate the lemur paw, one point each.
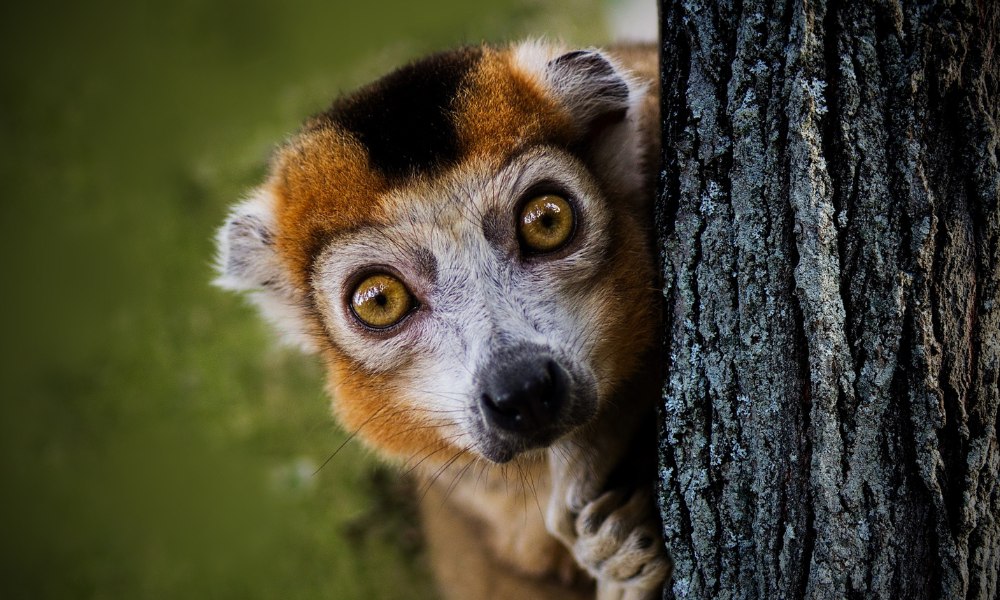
{"type": "Point", "coordinates": [616, 538]}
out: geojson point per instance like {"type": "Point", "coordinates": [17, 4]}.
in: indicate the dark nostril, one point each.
{"type": "Point", "coordinates": [504, 407]}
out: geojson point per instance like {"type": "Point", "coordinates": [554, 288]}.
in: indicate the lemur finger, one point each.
{"type": "Point", "coordinates": [634, 511]}
{"type": "Point", "coordinates": [592, 550]}
{"type": "Point", "coordinates": [647, 583]}
{"type": "Point", "coordinates": [641, 547]}
{"type": "Point", "coordinates": [594, 514]}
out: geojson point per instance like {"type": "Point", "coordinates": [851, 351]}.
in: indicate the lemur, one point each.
{"type": "Point", "coordinates": [465, 243]}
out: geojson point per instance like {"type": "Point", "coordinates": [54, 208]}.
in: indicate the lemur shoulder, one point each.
{"type": "Point", "coordinates": [466, 244]}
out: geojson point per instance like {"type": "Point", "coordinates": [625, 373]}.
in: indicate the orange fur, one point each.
{"type": "Point", "coordinates": [322, 186]}
{"type": "Point", "coordinates": [504, 111]}
{"type": "Point", "coordinates": [627, 317]}
{"type": "Point", "coordinates": [372, 406]}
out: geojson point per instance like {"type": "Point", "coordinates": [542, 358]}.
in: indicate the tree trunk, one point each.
{"type": "Point", "coordinates": [829, 221]}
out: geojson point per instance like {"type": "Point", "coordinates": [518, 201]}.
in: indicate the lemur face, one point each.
{"type": "Point", "coordinates": [461, 242]}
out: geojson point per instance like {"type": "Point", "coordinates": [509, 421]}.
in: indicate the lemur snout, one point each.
{"type": "Point", "coordinates": [525, 395]}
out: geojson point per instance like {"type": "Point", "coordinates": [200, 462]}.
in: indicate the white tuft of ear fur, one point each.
{"type": "Point", "coordinates": [588, 85]}
{"type": "Point", "coordinates": [247, 261]}
{"type": "Point", "coordinates": [602, 97]}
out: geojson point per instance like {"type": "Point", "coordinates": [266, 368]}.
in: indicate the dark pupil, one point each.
{"type": "Point", "coordinates": [381, 300]}
{"type": "Point", "coordinates": [548, 220]}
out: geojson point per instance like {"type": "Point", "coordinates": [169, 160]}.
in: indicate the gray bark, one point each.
{"type": "Point", "coordinates": [829, 220]}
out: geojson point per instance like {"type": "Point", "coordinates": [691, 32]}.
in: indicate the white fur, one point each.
{"type": "Point", "coordinates": [246, 261]}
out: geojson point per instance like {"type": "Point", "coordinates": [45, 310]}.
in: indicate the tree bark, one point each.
{"type": "Point", "coordinates": [829, 221]}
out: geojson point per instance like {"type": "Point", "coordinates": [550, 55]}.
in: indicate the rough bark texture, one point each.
{"type": "Point", "coordinates": [830, 232]}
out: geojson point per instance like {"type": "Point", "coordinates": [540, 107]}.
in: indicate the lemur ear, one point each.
{"type": "Point", "coordinates": [246, 257]}
{"type": "Point", "coordinates": [589, 86]}
{"type": "Point", "coordinates": [247, 261]}
{"type": "Point", "coordinates": [602, 99]}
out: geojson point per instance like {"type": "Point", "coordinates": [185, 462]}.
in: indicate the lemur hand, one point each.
{"type": "Point", "coordinates": [613, 534]}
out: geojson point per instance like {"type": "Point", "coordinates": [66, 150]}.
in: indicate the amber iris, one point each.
{"type": "Point", "coordinates": [546, 223]}
{"type": "Point", "coordinates": [381, 301]}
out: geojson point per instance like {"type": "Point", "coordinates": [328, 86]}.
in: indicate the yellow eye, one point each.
{"type": "Point", "coordinates": [546, 223]}
{"type": "Point", "coordinates": [381, 301]}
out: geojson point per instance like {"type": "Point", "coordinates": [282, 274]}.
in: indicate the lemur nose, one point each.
{"type": "Point", "coordinates": [525, 396]}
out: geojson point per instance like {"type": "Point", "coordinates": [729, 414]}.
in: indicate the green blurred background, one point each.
{"type": "Point", "coordinates": [154, 440]}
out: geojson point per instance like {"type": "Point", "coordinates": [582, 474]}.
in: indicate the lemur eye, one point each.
{"type": "Point", "coordinates": [546, 223]}
{"type": "Point", "coordinates": [381, 301]}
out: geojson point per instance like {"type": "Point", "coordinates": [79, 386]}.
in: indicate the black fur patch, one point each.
{"type": "Point", "coordinates": [405, 119]}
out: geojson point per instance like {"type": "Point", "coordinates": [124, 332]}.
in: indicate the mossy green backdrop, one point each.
{"type": "Point", "coordinates": [154, 441]}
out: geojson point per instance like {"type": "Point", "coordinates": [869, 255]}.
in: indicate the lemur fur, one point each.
{"type": "Point", "coordinates": [465, 243]}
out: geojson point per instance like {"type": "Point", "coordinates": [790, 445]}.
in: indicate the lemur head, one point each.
{"type": "Point", "coordinates": [462, 242]}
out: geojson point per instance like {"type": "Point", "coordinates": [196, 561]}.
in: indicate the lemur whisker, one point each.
{"type": "Point", "coordinates": [524, 488]}
{"type": "Point", "coordinates": [441, 444]}
{"type": "Point", "coordinates": [346, 440]}
{"type": "Point", "coordinates": [441, 471]}
{"type": "Point", "coordinates": [437, 394]}
{"type": "Point", "coordinates": [534, 492]}
{"type": "Point", "coordinates": [503, 475]}
{"type": "Point", "coordinates": [480, 476]}
{"type": "Point", "coordinates": [470, 219]}
{"type": "Point", "coordinates": [420, 427]}
{"type": "Point", "coordinates": [455, 480]}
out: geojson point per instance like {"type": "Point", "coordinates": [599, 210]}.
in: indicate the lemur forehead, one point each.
{"type": "Point", "coordinates": [414, 125]}
{"type": "Point", "coordinates": [431, 114]}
